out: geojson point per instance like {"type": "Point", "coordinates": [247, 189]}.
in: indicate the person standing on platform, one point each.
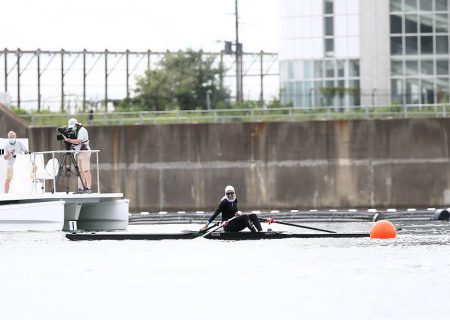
{"type": "Point", "coordinates": [12, 148]}
{"type": "Point", "coordinates": [82, 150]}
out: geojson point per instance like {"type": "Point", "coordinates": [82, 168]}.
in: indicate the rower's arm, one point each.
{"type": "Point", "coordinates": [218, 211]}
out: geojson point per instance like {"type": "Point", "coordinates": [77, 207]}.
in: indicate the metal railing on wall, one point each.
{"type": "Point", "coordinates": [88, 78]}
{"type": "Point", "coordinates": [245, 115]}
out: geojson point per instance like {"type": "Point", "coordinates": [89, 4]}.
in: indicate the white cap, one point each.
{"type": "Point", "coordinates": [229, 188]}
{"type": "Point", "coordinates": [72, 122]}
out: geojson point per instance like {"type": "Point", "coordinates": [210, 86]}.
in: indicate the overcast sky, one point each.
{"type": "Point", "coordinates": [136, 24]}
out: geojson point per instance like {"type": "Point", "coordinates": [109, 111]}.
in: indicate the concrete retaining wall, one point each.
{"type": "Point", "coordinates": [301, 165]}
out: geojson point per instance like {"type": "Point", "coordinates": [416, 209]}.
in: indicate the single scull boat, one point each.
{"type": "Point", "coordinates": [215, 235]}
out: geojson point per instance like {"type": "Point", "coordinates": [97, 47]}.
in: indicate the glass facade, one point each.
{"type": "Point", "coordinates": [352, 52]}
{"type": "Point", "coordinates": [319, 53]}
{"type": "Point", "coordinates": [313, 83]}
{"type": "Point", "coordinates": [419, 48]}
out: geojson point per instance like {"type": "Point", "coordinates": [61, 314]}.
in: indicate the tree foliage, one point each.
{"type": "Point", "coordinates": [182, 80]}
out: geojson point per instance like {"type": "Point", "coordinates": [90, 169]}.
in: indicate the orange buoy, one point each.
{"type": "Point", "coordinates": [383, 229]}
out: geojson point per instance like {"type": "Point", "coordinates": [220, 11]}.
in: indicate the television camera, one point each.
{"type": "Point", "coordinates": [68, 133]}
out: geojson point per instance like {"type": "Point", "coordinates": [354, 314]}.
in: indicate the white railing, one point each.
{"type": "Point", "coordinates": [247, 115]}
{"type": "Point", "coordinates": [52, 171]}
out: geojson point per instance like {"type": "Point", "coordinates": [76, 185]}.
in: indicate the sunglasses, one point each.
{"type": "Point", "coordinates": [230, 193]}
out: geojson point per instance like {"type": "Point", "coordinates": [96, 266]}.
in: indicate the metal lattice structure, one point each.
{"type": "Point", "coordinates": [79, 80]}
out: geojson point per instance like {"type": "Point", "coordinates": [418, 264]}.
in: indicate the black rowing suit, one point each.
{"type": "Point", "coordinates": [228, 210]}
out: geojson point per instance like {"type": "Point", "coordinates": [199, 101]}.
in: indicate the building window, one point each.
{"type": "Point", "coordinates": [411, 5]}
{"type": "Point", "coordinates": [307, 69]}
{"type": "Point", "coordinates": [442, 92]}
{"type": "Point", "coordinates": [329, 69]}
{"type": "Point", "coordinates": [308, 92]}
{"type": "Point", "coordinates": [397, 90]}
{"type": "Point", "coordinates": [329, 93]}
{"type": "Point", "coordinates": [396, 46]}
{"type": "Point", "coordinates": [396, 68]}
{"type": "Point", "coordinates": [395, 5]}
{"type": "Point", "coordinates": [411, 68]}
{"type": "Point", "coordinates": [426, 5]}
{"type": "Point", "coordinates": [317, 96]}
{"type": "Point", "coordinates": [441, 5]}
{"type": "Point", "coordinates": [412, 91]}
{"type": "Point", "coordinates": [354, 93]}
{"type": "Point", "coordinates": [291, 92]}
{"type": "Point", "coordinates": [298, 98]}
{"type": "Point", "coordinates": [442, 44]}
{"type": "Point", "coordinates": [340, 68]}
{"type": "Point", "coordinates": [290, 70]}
{"type": "Point", "coordinates": [426, 23]}
{"type": "Point", "coordinates": [396, 23]}
{"type": "Point", "coordinates": [411, 23]}
{"type": "Point", "coordinates": [329, 7]}
{"type": "Point", "coordinates": [441, 21]}
{"type": "Point", "coordinates": [340, 93]}
{"type": "Point", "coordinates": [427, 92]}
{"type": "Point", "coordinates": [318, 69]}
{"type": "Point", "coordinates": [354, 68]}
{"type": "Point", "coordinates": [442, 67]}
{"type": "Point", "coordinates": [329, 30]}
{"type": "Point", "coordinates": [329, 47]}
{"type": "Point", "coordinates": [426, 44]}
{"type": "Point", "coordinates": [427, 67]}
{"type": "Point", "coordinates": [411, 45]}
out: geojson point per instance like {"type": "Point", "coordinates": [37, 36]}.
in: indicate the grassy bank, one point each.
{"type": "Point", "coordinates": [47, 118]}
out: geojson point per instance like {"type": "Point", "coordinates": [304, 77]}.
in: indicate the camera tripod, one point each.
{"type": "Point", "coordinates": [67, 159]}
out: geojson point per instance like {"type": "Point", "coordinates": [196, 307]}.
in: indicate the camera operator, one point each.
{"type": "Point", "coordinates": [81, 143]}
{"type": "Point", "coordinates": [12, 148]}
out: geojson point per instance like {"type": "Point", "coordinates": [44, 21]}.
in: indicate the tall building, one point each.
{"type": "Point", "coordinates": [364, 52]}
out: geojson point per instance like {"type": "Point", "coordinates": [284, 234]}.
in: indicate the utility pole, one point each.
{"type": "Point", "coordinates": [238, 50]}
{"type": "Point", "coordinates": [84, 79]}
{"type": "Point", "coordinates": [38, 55]}
{"type": "Point", "coordinates": [106, 80]}
{"type": "Point", "coordinates": [19, 55]}
{"type": "Point", "coordinates": [62, 80]}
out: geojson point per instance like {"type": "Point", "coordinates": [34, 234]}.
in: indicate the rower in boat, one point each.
{"type": "Point", "coordinates": [229, 210]}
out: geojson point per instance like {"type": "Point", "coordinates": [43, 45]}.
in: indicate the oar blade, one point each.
{"type": "Point", "coordinates": [270, 220]}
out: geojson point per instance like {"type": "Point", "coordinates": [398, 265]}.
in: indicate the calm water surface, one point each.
{"type": "Point", "coordinates": [45, 276]}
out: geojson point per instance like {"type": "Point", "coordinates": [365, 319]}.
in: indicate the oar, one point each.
{"type": "Point", "coordinates": [270, 220]}
{"type": "Point", "coordinates": [201, 232]}
{"type": "Point", "coordinates": [218, 227]}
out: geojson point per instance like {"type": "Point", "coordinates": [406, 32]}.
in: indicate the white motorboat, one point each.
{"type": "Point", "coordinates": [30, 207]}
{"type": "Point", "coordinates": [35, 216]}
